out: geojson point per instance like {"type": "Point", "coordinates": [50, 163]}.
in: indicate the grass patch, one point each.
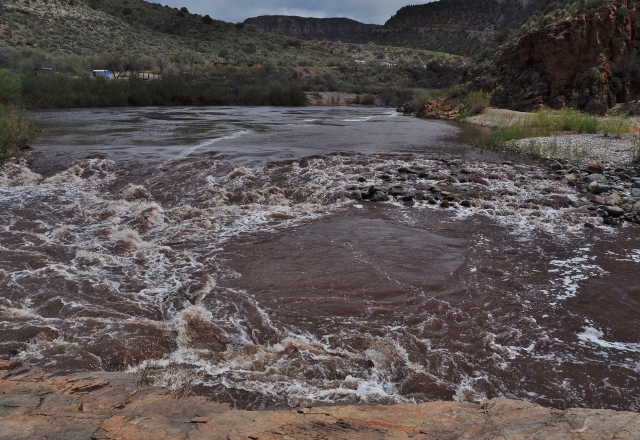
{"type": "Point", "coordinates": [512, 129]}
{"type": "Point", "coordinates": [474, 103]}
{"type": "Point", "coordinates": [16, 131]}
{"type": "Point", "coordinates": [615, 126]}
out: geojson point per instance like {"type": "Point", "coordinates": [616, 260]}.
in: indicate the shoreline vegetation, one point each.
{"type": "Point", "coordinates": [569, 134]}
{"type": "Point", "coordinates": [16, 131]}
{"type": "Point", "coordinates": [540, 134]}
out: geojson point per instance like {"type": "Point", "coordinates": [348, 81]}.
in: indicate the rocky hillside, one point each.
{"type": "Point", "coordinates": [456, 26]}
{"type": "Point", "coordinates": [589, 61]}
{"type": "Point", "coordinates": [327, 29]}
{"type": "Point", "coordinates": [109, 406]}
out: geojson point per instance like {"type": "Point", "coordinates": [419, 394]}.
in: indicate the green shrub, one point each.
{"type": "Point", "coordinates": [15, 131]}
{"type": "Point", "coordinates": [474, 103]}
{"type": "Point", "coordinates": [9, 88]}
{"type": "Point", "coordinates": [249, 48]}
{"type": "Point", "coordinates": [368, 100]}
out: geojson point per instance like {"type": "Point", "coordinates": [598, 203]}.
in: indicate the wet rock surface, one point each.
{"type": "Point", "coordinates": [109, 406]}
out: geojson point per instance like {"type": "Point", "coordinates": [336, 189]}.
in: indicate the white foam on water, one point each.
{"type": "Point", "coordinates": [159, 261]}
{"type": "Point", "coordinates": [466, 389]}
{"type": "Point", "coordinates": [570, 272]}
{"type": "Point", "coordinates": [360, 119]}
{"type": "Point", "coordinates": [592, 336]}
{"type": "Point", "coordinates": [190, 150]}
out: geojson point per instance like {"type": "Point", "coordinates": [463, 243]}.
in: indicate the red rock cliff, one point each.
{"type": "Point", "coordinates": [589, 61]}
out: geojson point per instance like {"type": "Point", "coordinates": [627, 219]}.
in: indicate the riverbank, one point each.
{"type": "Point", "coordinates": [103, 406]}
{"type": "Point", "coordinates": [599, 155]}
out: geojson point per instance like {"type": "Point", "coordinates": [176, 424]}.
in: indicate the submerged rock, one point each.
{"type": "Point", "coordinates": [379, 196]}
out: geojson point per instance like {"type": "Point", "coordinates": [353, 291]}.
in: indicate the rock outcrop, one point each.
{"type": "Point", "coordinates": [107, 406]}
{"type": "Point", "coordinates": [439, 108]}
{"type": "Point", "coordinates": [589, 61]}
{"type": "Point", "coordinates": [326, 29]}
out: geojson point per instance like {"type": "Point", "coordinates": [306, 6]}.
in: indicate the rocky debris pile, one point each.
{"type": "Point", "coordinates": [631, 108]}
{"type": "Point", "coordinates": [614, 192]}
{"type": "Point", "coordinates": [109, 406]}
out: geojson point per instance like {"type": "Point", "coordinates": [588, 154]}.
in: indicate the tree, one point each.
{"type": "Point", "coordinates": [112, 61]}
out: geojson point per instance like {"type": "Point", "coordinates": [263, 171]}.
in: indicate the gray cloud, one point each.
{"type": "Point", "coordinates": [367, 11]}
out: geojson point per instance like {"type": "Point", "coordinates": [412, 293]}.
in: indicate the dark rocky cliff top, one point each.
{"type": "Point", "coordinates": [479, 15]}
{"type": "Point", "coordinates": [329, 29]}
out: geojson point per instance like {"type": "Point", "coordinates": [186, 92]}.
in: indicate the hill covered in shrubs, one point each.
{"type": "Point", "coordinates": [200, 60]}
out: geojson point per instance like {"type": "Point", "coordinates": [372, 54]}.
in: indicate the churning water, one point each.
{"type": "Point", "coordinates": [219, 247]}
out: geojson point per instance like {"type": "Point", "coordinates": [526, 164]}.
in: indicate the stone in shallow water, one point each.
{"type": "Point", "coordinates": [614, 211]}
{"type": "Point", "coordinates": [595, 178]}
{"type": "Point", "coordinates": [379, 196]}
{"type": "Point", "coordinates": [600, 188]}
{"type": "Point", "coordinates": [595, 168]}
{"type": "Point", "coordinates": [612, 200]}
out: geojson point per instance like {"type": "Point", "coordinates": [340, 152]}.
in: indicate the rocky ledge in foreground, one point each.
{"type": "Point", "coordinates": [109, 406]}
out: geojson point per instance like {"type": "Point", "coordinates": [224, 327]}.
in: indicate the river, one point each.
{"type": "Point", "coordinates": [227, 249]}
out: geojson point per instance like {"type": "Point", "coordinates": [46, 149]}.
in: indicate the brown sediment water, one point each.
{"type": "Point", "coordinates": [221, 247]}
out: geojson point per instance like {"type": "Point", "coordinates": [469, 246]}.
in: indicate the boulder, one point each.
{"type": "Point", "coordinates": [614, 211]}
{"type": "Point", "coordinates": [595, 178]}
{"type": "Point", "coordinates": [612, 200]}
{"type": "Point", "coordinates": [379, 196]}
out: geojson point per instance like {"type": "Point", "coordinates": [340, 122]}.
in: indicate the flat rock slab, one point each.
{"type": "Point", "coordinates": [108, 406]}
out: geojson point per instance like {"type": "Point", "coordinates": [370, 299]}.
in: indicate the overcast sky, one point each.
{"type": "Point", "coordinates": [367, 11]}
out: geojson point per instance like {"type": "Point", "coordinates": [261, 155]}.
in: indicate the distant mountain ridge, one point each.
{"type": "Point", "coordinates": [327, 29]}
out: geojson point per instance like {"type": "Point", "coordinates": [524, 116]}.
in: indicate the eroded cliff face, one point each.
{"type": "Point", "coordinates": [326, 29]}
{"type": "Point", "coordinates": [590, 61]}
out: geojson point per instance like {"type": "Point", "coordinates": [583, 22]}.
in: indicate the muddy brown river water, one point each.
{"type": "Point", "coordinates": [223, 248]}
